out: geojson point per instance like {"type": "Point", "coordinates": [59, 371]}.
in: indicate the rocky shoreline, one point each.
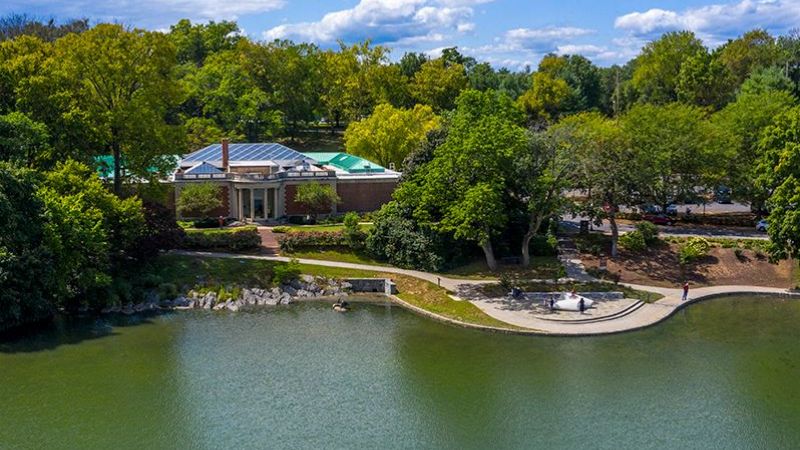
{"type": "Point", "coordinates": [304, 288]}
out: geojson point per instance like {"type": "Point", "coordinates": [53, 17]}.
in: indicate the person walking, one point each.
{"type": "Point", "coordinates": [685, 292]}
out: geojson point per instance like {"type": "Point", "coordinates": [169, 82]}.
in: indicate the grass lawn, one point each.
{"type": "Point", "coordinates": [341, 255]}
{"type": "Point", "coordinates": [542, 267]}
{"type": "Point", "coordinates": [192, 271]}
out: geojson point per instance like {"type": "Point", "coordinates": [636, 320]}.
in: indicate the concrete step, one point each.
{"type": "Point", "coordinates": [622, 313]}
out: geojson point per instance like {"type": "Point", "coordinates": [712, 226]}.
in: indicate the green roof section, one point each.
{"type": "Point", "coordinates": [345, 161]}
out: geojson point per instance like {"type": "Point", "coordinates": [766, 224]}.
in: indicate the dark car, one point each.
{"type": "Point", "coordinates": [658, 219]}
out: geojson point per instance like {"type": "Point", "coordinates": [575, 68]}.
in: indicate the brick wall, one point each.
{"type": "Point", "coordinates": [364, 196]}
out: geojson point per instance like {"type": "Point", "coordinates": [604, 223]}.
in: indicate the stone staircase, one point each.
{"type": "Point", "coordinates": [570, 259]}
{"type": "Point", "coordinates": [630, 309]}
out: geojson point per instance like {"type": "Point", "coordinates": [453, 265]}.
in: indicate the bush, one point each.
{"type": "Point", "coordinates": [649, 231]}
{"type": "Point", "coordinates": [291, 242]}
{"type": "Point", "coordinates": [208, 222]}
{"type": "Point", "coordinates": [544, 245]}
{"type": "Point", "coordinates": [199, 199]}
{"type": "Point", "coordinates": [739, 253]}
{"type": "Point", "coordinates": [302, 220]}
{"type": "Point", "coordinates": [694, 249]}
{"type": "Point", "coordinates": [633, 241]}
{"type": "Point", "coordinates": [355, 237]}
{"type": "Point", "coordinates": [233, 239]}
{"type": "Point", "coordinates": [280, 230]}
{"type": "Point", "coordinates": [286, 273]}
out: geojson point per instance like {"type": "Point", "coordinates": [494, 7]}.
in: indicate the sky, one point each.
{"type": "Point", "coordinates": [505, 33]}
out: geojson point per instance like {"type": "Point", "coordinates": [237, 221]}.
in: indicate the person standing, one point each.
{"type": "Point", "coordinates": [582, 305]}
{"type": "Point", "coordinates": [685, 292]}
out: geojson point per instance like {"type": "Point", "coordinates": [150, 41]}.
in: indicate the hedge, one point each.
{"type": "Point", "coordinates": [234, 239]}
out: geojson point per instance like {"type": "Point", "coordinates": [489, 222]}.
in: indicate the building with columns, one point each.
{"type": "Point", "coordinates": [259, 181]}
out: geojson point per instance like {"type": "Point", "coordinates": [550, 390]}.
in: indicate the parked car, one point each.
{"type": "Point", "coordinates": [658, 219]}
{"type": "Point", "coordinates": [672, 210]}
{"type": "Point", "coordinates": [650, 209]}
{"type": "Point", "coordinates": [762, 225]}
{"type": "Point", "coordinates": [723, 195]}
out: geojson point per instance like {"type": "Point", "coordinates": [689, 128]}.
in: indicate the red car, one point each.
{"type": "Point", "coordinates": [658, 219]}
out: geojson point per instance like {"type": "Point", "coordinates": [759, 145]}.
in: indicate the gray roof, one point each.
{"type": "Point", "coordinates": [247, 152]}
{"type": "Point", "coordinates": [203, 168]}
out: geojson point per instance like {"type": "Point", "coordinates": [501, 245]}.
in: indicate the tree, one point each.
{"type": "Point", "coordinates": [27, 276]}
{"type": "Point", "coordinates": [389, 134]}
{"type": "Point", "coordinates": [123, 84]}
{"type": "Point", "coordinates": [316, 198]}
{"type": "Point", "coordinates": [581, 76]}
{"type": "Point", "coordinates": [411, 63]}
{"type": "Point", "coordinates": [606, 167]}
{"type": "Point", "coordinates": [754, 49]}
{"type": "Point", "coordinates": [763, 80]}
{"type": "Point", "coordinates": [745, 119]}
{"type": "Point", "coordinates": [657, 68]}
{"type": "Point", "coordinates": [198, 199]}
{"type": "Point", "coordinates": [779, 175]}
{"type": "Point", "coordinates": [463, 189]}
{"type": "Point", "coordinates": [90, 231]}
{"type": "Point", "coordinates": [676, 150]}
{"type": "Point", "coordinates": [438, 84]}
{"type": "Point", "coordinates": [23, 141]}
{"type": "Point", "coordinates": [482, 77]}
{"type": "Point", "coordinates": [541, 173]}
{"type": "Point", "coordinates": [545, 100]}
{"type": "Point", "coordinates": [704, 81]}
{"type": "Point", "coordinates": [195, 42]}
{"type": "Point", "coordinates": [13, 26]}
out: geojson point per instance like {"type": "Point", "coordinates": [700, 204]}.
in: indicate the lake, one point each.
{"type": "Point", "coordinates": [721, 374]}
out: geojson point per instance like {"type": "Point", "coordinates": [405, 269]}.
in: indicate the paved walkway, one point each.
{"type": "Point", "coordinates": [269, 244]}
{"type": "Point", "coordinates": [645, 316]}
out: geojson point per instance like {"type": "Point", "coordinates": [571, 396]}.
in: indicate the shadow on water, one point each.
{"type": "Point", "coordinates": [70, 330]}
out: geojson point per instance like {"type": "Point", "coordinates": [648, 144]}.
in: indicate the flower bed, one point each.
{"type": "Point", "coordinates": [232, 239]}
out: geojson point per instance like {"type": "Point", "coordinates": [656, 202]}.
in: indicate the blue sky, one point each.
{"type": "Point", "coordinates": [511, 33]}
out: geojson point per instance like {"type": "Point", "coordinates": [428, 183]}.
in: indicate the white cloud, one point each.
{"type": "Point", "coordinates": [542, 40]}
{"type": "Point", "coordinates": [141, 12]}
{"type": "Point", "coordinates": [384, 21]}
{"type": "Point", "coordinates": [717, 22]}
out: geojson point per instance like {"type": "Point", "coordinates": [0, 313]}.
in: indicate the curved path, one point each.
{"type": "Point", "coordinates": [648, 315]}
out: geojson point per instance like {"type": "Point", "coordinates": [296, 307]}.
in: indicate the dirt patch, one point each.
{"type": "Point", "coordinates": [722, 266]}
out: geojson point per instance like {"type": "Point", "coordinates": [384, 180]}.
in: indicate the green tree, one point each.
{"type": "Point", "coordinates": [705, 81]}
{"type": "Point", "coordinates": [124, 85]}
{"type": "Point", "coordinates": [195, 42]}
{"type": "Point", "coordinates": [581, 76]}
{"type": "Point", "coordinates": [89, 230]}
{"type": "Point", "coordinates": [23, 141]}
{"type": "Point", "coordinates": [27, 275]}
{"type": "Point", "coordinates": [676, 150]}
{"type": "Point", "coordinates": [745, 119]}
{"type": "Point", "coordinates": [657, 69]}
{"type": "Point", "coordinates": [411, 63]}
{"type": "Point", "coordinates": [198, 199]}
{"type": "Point", "coordinates": [463, 189]}
{"type": "Point", "coordinates": [541, 173]}
{"type": "Point", "coordinates": [606, 166]}
{"type": "Point", "coordinates": [438, 84]}
{"type": "Point", "coordinates": [390, 134]}
{"type": "Point", "coordinates": [316, 198]}
{"type": "Point", "coordinates": [546, 98]}
{"type": "Point", "coordinates": [754, 49]}
{"type": "Point", "coordinates": [779, 175]}
{"type": "Point", "coordinates": [763, 80]}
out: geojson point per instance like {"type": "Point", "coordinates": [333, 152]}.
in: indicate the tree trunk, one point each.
{"type": "Point", "coordinates": [526, 254]}
{"type": "Point", "coordinates": [117, 168]}
{"type": "Point", "coordinates": [612, 220]}
{"type": "Point", "coordinates": [489, 252]}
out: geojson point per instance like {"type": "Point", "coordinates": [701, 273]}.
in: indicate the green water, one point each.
{"type": "Point", "coordinates": [723, 374]}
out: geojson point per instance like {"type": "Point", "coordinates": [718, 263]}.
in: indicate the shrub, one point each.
{"type": "Point", "coordinates": [199, 199]}
{"type": "Point", "coordinates": [542, 245]}
{"type": "Point", "coordinates": [208, 222]}
{"type": "Point", "coordinates": [233, 239]}
{"type": "Point", "coordinates": [280, 230]}
{"type": "Point", "coordinates": [649, 231]}
{"type": "Point", "coordinates": [694, 249]}
{"type": "Point", "coordinates": [286, 273]}
{"type": "Point", "coordinates": [633, 241]}
{"type": "Point", "coordinates": [316, 198]}
{"type": "Point", "coordinates": [739, 253]}
{"type": "Point", "coordinates": [291, 242]}
{"type": "Point", "coordinates": [302, 220]}
{"type": "Point", "coordinates": [355, 237]}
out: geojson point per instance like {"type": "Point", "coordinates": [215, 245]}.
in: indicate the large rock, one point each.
{"type": "Point", "coordinates": [285, 299]}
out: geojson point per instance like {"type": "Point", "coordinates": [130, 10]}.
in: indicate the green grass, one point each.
{"type": "Point", "coordinates": [341, 255]}
{"type": "Point", "coordinates": [222, 274]}
{"type": "Point", "coordinates": [542, 267]}
{"type": "Point", "coordinates": [756, 245]}
{"type": "Point", "coordinates": [495, 290]}
{"type": "Point", "coordinates": [323, 228]}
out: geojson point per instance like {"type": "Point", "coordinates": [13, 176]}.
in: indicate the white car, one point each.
{"type": "Point", "coordinates": [762, 225]}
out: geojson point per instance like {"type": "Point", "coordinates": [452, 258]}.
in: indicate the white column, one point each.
{"type": "Point", "coordinates": [265, 205]}
{"type": "Point", "coordinates": [239, 204]}
{"type": "Point", "coordinates": [252, 205]}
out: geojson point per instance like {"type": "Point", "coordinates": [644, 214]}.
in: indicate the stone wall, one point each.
{"type": "Point", "coordinates": [546, 296]}
{"type": "Point", "coordinates": [383, 285]}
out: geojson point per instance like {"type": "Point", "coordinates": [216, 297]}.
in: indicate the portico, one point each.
{"type": "Point", "coordinates": [256, 202]}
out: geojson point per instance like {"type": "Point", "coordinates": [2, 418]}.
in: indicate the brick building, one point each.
{"type": "Point", "coordinates": [259, 181]}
